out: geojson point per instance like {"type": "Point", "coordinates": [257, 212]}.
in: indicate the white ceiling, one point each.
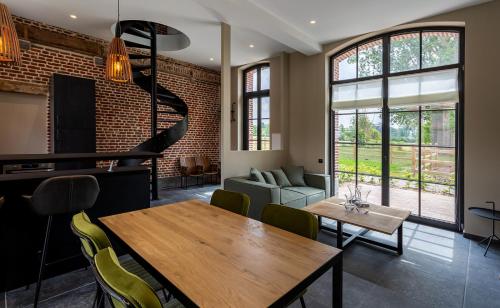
{"type": "Point", "coordinates": [271, 26]}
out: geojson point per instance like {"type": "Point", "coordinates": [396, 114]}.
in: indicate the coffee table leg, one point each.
{"type": "Point", "coordinates": [337, 277]}
{"type": "Point", "coordinates": [400, 240]}
{"type": "Point", "coordinates": [340, 235]}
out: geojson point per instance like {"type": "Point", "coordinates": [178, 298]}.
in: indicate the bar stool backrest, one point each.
{"type": "Point", "coordinates": [65, 194]}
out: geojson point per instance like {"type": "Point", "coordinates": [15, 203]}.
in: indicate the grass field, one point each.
{"type": "Point", "coordinates": [437, 164]}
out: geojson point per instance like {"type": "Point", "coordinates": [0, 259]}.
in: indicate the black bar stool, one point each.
{"type": "Point", "coordinates": [61, 195]}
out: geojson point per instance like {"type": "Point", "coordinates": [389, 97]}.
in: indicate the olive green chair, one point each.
{"type": "Point", "coordinates": [94, 239]}
{"type": "Point", "coordinates": [293, 220]}
{"type": "Point", "coordinates": [235, 202]}
{"type": "Point", "coordinates": [123, 288]}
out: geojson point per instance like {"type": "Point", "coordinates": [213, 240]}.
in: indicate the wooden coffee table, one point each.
{"type": "Point", "coordinates": [379, 218]}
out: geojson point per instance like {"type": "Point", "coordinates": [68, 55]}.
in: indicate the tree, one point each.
{"type": "Point", "coordinates": [367, 132]}
{"type": "Point", "coordinates": [437, 49]}
{"type": "Point", "coordinates": [370, 61]}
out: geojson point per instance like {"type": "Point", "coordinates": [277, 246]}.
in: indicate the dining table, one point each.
{"type": "Point", "coordinates": [210, 257]}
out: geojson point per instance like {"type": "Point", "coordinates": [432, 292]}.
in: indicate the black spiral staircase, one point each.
{"type": "Point", "coordinates": [169, 113]}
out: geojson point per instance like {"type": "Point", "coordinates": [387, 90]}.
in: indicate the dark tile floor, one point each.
{"type": "Point", "coordinates": [438, 269]}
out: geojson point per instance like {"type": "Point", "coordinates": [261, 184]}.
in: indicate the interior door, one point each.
{"type": "Point", "coordinates": [73, 115]}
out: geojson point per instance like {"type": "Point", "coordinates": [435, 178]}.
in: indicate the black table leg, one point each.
{"type": "Point", "coordinates": [340, 235]}
{"type": "Point", "coordinates": [337, 280]}
{"type": "Point", "coordinates": [400, 240]}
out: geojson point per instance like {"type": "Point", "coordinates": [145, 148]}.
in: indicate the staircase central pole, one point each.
{"type": "Point", "coordinates": [154, 117]}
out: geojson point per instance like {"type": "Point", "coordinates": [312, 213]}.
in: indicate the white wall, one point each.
{"type": "Point", "coordinates": [308, 112]}
{"type": "Point", "coordinates": [309, 105]}
{"type": "Point", "coordinates": [23, 123]}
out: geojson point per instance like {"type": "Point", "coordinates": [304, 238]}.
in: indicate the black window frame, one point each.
{"type": "Point", "coordinates": [459, 134]}
{"type": "Point", "coordinates": [259, 95]}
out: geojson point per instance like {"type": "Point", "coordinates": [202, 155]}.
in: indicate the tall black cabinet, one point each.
{"type": "Point", "coordinates": [73, 120]}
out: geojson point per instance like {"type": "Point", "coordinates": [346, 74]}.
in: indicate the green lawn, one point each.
{"type": "Point", "coordinates": [402, 163]}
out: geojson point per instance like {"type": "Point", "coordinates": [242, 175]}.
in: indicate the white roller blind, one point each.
{"type": "Point", "coordinates": [424, 89]}
{"type": "Point", "coordinates": [355, 95]}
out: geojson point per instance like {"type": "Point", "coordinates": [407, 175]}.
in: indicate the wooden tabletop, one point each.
{"type": "Point", "coordinates": [379, 218]}
{"type": "Point", "coordinates": [217, 258]}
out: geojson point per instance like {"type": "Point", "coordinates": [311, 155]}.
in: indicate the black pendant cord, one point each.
{"type": "Point", "coordinates": [118, 30]}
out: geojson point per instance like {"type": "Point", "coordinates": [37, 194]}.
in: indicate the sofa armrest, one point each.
{"type": "Point", "coordinates": [260, 194]}
{"type": "Point", "coordinates": [320, 181]}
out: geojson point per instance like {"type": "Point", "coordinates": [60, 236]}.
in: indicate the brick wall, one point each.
{"type": "Point", "coordinates": [123, 110]}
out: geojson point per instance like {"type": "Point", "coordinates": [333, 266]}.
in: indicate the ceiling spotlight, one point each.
{"type": "Point", "coordinates": [312, 22]}
{"type": "Point", "coordinates": [73, 16]}
{"type": "Point", "coordinates": [251, 46]}
{"type": "Point", "coordinates": [211, 59]}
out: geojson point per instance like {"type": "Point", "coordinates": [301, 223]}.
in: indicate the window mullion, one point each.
{"type": "Point", "coordinates": [259, 108]}
{"type": "Point", "coordinates": [420, 50]}
{"type": "Point", "coordinates": [419, 160]}
{"type": "Point", "coordinates": [386, 135]}
{"type": "Point", "coordinates": [356, 150]}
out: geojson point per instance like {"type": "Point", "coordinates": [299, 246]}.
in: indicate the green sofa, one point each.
{"type": "Point", "coordinates": [317, 188]}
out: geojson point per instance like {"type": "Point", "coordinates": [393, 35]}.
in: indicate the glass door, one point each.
{"type": "Point", "coordinates": [423, 161]}
{"type": "Point", "coordinates": [396, 122]}
{"type": "Point", "coordinates": [359, 148]}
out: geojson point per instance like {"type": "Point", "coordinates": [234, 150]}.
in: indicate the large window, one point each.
{"type": "Point", "coordinates": [396, 121]}
{"type": "Point", "coordinates": [256, 108]}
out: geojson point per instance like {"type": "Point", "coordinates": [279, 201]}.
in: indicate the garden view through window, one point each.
{"type": "Point", "coordinates": [395, 124]}
{"type": "Point", "coordinates": [256, 124]}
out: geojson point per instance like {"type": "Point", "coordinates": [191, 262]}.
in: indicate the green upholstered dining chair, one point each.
{"type": "Point", "coordinates": [235, 202]}
{"type": "Point", "coordinates": [293, 220]}
{"type": "Point", "coordinates": [123, 288]}
{"type": "Point", "coordinates": [94, 239]}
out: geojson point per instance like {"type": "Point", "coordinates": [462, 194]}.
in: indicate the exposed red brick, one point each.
{"type": "Point", "coordinates": [123, 111]}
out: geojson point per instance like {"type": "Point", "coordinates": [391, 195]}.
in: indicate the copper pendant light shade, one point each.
{"type": "Point", "coordinates": [10, 52]}
{"type": "Point", "coordinates": [118, 67]}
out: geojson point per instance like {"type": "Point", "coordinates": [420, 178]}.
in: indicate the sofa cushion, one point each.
{"type": "Point", "coordinates": [268, 176]}
{"type": "Point", "coordinates": [312, 194]}
{"type": "Point", "coordinates": [295, 175]}
{"type": "Point", "coordinates": [256, 175]}
{"type": "Point", "coordinates": [292, 198]}
{"type": "Point", "coordinates": [281, 178]}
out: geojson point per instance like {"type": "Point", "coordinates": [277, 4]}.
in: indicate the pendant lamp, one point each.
{"type": "Point", "coordinates": [10, 52]}
{"type": "Point", "coordinates": [118, 67]}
